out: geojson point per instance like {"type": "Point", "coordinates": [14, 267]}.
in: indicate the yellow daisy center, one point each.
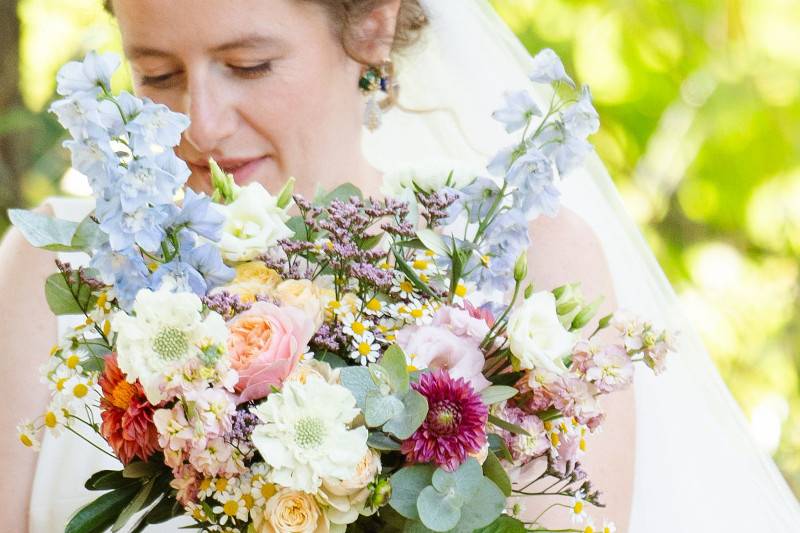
{"type": "Point", "coordinates": [420, 264]}
{"type": "Point", "coordinates": [374, 305]}
{"type": "Point", "coordinates": [417, 313]}
{"type": "Point", "coordinates": [267, 490]}
{"type": "Point", "coordinates": [358, 328]}
{"type": "Point", "coordinates": [72, 361]}
{"type": "Point", "coordinates": [578, 507]}
{"type": "Point", "coordinates": [461, 290]}
{"type": "Point", "coordinates": [26, 440]}
{"type": "Point", "coordinates": [231, 507]}
{"type": "Point", "coordinates": [60, 384]}
{"type": "Point", "coordinates": [205, 484]}
{"type": "Point", "coordinates": [80, 390]}
{"type": "Point", "coordinates": [248, 500]}
{"type": "Point", "coordinates": [364, 348]}
{"type": "Point", "coordinates": [554, 439]}
{"type": "Point", "coordinates": [50, 419]}
{"type": "Point", "coordinates": [221, 484]}
{"type": "Point", "coordinates": [406, 286]}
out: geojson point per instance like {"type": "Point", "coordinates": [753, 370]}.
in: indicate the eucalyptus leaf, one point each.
{"type": "Point", "coordinates": [483, 508]}
{"type": "Point", "coordinates": [67, 299]}
{"type": "Point", "coordinates": [508, 426]}
{"type": "Point", "coordinates": [44, 231]}
{"type": "Point", "coordinates": [497, 393]}
{"type": "Point", "coordinates": [88, 236]}
{"type": "Point", "coordinates": [380, 409]}
{"type": "Point", "coordinates": [495, 472]}
{"type": "Point", "coordinates": [467, 477]}
{"type": "Point", "coordinates": [358, 380]}
{"type": "Point", "coordinates": [394, 362]}
{"type": "Point", "coordinates": [439, 512]}
{"type": "Point", "coordinates": [99, 514]}
{"type": "Point", "coordinates": [371, 241]}
{"type": "Point", "coordinates": [343, 192]}
{"type": "Point", "coordinates": [381, 441]}
{"type": "Point", "coordinates": [406, 484]}
{"type": "Point", "coordinates": [332, 359]}
{"type": "Point", "coordinates": [298, 227]}
{"type": "Point", "coordinates": [498, 446]}
{"type": "Point", "coordinates": [503, 524]}
{"type": "Point", "coordinates": [415, 410]}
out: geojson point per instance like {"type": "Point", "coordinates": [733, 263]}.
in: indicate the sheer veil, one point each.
{"type": "Point", "coordinates": [697, 468]}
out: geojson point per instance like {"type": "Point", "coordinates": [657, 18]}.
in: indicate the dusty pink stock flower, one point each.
{"type": "Point", "coordinates": [264, 346]}
{"type": "Point", "coordinates": [610, 369]}
{"type": "Point", "coordinates": [451, 343]}
{"type": "Point", "coordinates": [455, 425]}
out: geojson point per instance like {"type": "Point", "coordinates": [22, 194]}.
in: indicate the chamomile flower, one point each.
{"type": "Point", "coordinates": [355, 327]}
{"type": "Point", "coordinates": [374, 307]}
{"type": "Point", "coordinates": [366, 349]}
{"type": "Point", "coordinates": [27, 435]}
{"type": "Point", "coordinates": [56, 415]}
{"type": "Point", "coordinates": [419, 314]}
{"type": "Point", "coordinates": [589, 526]}
{"type": "Point", "coordinates": [462, 292]}
{"type": "Point", "coordinates": [232, 507]}
{"type": "Point", "coordinates": [608, 527]}
{"type": "Point", "coordinates": [578, 508]}
{"type": "Point", "coordinates": [402, 287]}
{"type": "Point", "coordinates": [425, 267]}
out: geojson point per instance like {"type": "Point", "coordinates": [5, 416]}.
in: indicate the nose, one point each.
{"type": "Point", "coordinates": [212, 114]}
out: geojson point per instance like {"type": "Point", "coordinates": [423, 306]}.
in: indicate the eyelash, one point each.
{"type": "Point", "coordinates": [247, 73]}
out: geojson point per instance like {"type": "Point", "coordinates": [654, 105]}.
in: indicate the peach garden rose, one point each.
{"type": "Point", "coordinates": [264, 346]}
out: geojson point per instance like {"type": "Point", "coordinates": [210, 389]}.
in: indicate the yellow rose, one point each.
{"type": "Point", "coordinates": [253, 279]}
{"type": "Point", "coordinates": [345, 500]}
{"type": "Point", "coordinates": [291, 511]}
{"type": "Point", "coordinates": [303, 294]}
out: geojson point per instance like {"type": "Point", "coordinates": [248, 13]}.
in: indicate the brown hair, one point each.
{"type": "Point", "coordinates": [411, 20]}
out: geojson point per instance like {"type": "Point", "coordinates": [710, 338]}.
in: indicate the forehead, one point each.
{"type": "Point", "coordinates": [151, 27]}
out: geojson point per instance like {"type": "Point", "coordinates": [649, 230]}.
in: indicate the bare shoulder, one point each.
{"type": "Point", "coordinates": [565, 249]}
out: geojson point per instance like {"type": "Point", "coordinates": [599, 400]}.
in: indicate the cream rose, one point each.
{"type": "Point", "coordinates": [291, 511]}
{"type": "Point", "coordinates": [252, 279]}
{"type": "Point", "coordinates": [536, 335]}
{"type": "Point", "coordinates": [253, 223]}
{"type": "Point", "coordinates": [345, 500]}
{"type": "Point", "coordinates": [303, 294]}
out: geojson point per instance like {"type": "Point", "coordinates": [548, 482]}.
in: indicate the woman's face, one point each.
{"type": "Point", "coordinates": [267, 84]}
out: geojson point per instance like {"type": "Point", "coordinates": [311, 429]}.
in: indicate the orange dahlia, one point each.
{"type": "Point", "coordinates": [127, 415]}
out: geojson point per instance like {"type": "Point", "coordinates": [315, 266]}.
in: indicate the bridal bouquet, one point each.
{"type": "Point", "coordinates": [272, 363]}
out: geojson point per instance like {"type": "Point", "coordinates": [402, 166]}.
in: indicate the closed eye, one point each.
{"type": "Point", "coordinates": [161, 81]}
{"type": "Point", "coordinates": [252, 72]}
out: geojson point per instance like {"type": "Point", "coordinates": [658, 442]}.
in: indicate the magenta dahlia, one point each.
{"type": "Point", "coordinates": [455, 425]}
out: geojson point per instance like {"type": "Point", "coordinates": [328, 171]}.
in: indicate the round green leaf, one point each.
{"type": "Point", "coordinates": [439, 512]}
{"type": "Point", "coordinates": [406, 484]}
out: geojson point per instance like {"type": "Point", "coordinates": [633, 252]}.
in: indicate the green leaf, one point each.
{"type": "Point", "coordinates": [498, 446]}
{"type": "Point", "coordinates": [394, 362]}
{"type": "Point", "coordinates": [433, 241]}
{"type": "Point", "coordinates": [99, 514]}
{"type": "Point", "coordinates": [439, 512]}
{"type": "Point", "coordinates": [506, 378]}
{"type": "Point", "coordinates": [107, 480]}
{"type": "Point", "coordinates": [411, 275]}
{"type": "Point", "coordinates": [88, 236]}
{"type": "Point", "coordinates": [133, 506]}
{"type": "Point", "coordinates": [493, 470]}
{"type": "Point", "coordinates": [358, 380]}
{"type": "Point", "coordinates": [485, 506]}
{"type": "Point", "coordinates": [371, 241]}
{"type": "Point", "coordinates": [585, 315]}
{"type": "Point", "coordinates": [467, 477]}
{"type": "Point", "coordinates": [141, 469]}
{"type": "Point", "coordinates": [332, 359]}
{"type": "Point", "coordinates": [380, 409]}
{"type": "Point", "coordinates": [497, 394]}
{"type": "Point", "coordinates": [60, 297]}
{"type": "Point", "coordinates": [503, 524]}
{"type": "Point", "coordinates": [381, 441]}
{"type": "Point", "coordinates": [411, 418]}
{"type": "Point", "coordinates": [298, 227]}
{"type": "Point", "coordinates": [415, 244]}
{"type": "Point", "coordinates": [406, 484]}
{"type": "Point", "coordinates": [508, 426]}
{"type": "Point", "coordinates": [343, 192]}
{"type": "Point", "coordinates": [550, 414]}
{"type": "Point", "coordinates": [44, 231]}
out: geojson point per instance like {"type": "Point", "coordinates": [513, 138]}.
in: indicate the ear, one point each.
{"type": "Point", "coordinates": [373, 35]}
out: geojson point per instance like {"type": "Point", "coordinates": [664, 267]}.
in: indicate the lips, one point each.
{"type": "Point", "coordinates": [243, 169]}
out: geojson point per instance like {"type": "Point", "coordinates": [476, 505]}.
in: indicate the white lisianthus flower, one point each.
{"type": "Point", "coordinates": [253, 223]}
{"type": "Point", "coordinates": [165, 332]}
{"type": "Point", "coordinates": [304, 434]}
{"type": "Point", "coordinates": [536, 335]}
{"type": "Point", "coordinates": [345, 500]}
{"type": "Point", "coordinates": [430, 175]}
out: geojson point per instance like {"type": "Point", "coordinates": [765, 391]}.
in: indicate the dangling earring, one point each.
{"type": "Point", "coordinates": [374, 80]}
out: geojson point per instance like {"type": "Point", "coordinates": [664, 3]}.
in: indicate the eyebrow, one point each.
{"type": "Point", "coordinates": [244, 42]}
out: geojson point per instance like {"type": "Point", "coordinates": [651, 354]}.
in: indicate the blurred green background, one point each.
{"type": "Point", "coordinates": [700, 108]}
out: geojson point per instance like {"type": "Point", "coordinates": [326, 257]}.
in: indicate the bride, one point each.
{"type": "Point", "coordinates": [271, 87]}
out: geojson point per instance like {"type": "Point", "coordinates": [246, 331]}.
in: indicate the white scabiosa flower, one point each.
{"type": "Point", "coordinates": [253, 223]}
{"type": "Point", "coordinates": [536, 336]}
{"type": "Point", "coordinates": [166, 331]}
{"type": "Point", "coordinates": [304, 434]}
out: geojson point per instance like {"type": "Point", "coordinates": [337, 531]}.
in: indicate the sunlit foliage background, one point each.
{"type": "Point", "coordinates": [700, 106]}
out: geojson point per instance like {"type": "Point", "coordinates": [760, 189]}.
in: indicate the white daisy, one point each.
{"type": "Point", "coordinates": [578, 508]}
{"type": "Point", "coordinates": [232, 507]}
{"type": "Point", "coordinates": [366, 349]}
{"type": "Point", "coordinates": [355, 327]}
{"type": "Point", "coordinates": [374, 307]}
{"type": "Point", "coordinates": [27, 435]}
{"type": "Point", "coordinates": [403, 287]}
{"type": "Point", "coordinates": [608, 527]}
{"type": "Point", "coordinates": [301, 426]}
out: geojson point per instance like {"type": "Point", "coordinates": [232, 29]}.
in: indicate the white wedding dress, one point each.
{"type": "Point", "coordinates": [697, 468]}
